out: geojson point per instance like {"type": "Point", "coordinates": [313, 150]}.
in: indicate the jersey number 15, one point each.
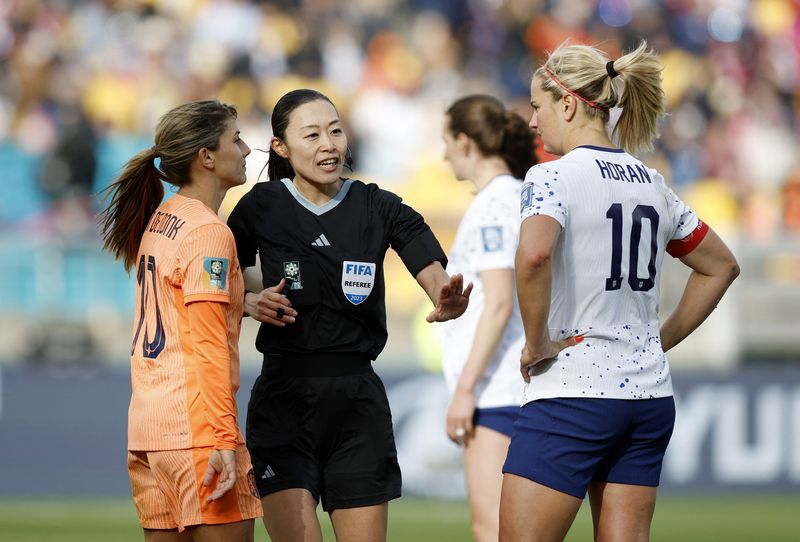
{"type": "Point", "coordinates": [640, 212]}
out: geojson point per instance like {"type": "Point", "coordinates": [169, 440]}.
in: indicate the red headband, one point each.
{"type": "Point", "coordinates": [573, 93]}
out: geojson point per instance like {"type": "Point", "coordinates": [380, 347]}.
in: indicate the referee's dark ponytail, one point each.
{"type": "Point", "coordinates": [278, 166]}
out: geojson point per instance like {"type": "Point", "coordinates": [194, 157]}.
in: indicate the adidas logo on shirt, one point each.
{"type": "Point", "coordinates": [321, 241]}
{"type": "Point", "coordinates": [268, 473]}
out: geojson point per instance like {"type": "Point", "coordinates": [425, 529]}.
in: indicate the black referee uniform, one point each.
{"type": "Point", "coordinates": [318, 416]}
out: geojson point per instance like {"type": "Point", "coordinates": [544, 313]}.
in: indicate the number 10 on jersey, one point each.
{"type": "Point", "coordinates": [640, 212]}
{"type": "Point", "coordinates": [147, 295]}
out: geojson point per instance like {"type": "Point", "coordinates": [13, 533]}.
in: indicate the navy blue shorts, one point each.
{"type": "Point", "coordinates": [565, 444]}
{"type": "Point", "coordinates": [501, 419]}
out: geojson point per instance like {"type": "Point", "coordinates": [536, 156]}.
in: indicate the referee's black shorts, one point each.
{"type": "Point", "coordinates": [322, 422]}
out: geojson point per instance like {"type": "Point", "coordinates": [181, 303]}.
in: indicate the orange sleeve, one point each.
{"type": "Point", "coordinates": [209, 332]}
{"type": "Point", "coordinates": [206, 256]}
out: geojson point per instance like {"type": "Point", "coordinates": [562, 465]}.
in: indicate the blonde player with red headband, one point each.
{"type": "Point", "coordinates": [596, 225]}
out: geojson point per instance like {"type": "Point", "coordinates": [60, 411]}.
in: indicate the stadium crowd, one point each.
{"type": "Point", "coordinates": [82, 84]}
{"type": "Point", "coordinates": [73, 74]}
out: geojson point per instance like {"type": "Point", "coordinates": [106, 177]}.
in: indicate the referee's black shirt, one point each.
{"type": "Point", "coordinates": [332, 255]}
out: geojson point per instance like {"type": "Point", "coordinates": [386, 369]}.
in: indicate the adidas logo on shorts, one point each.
{"type": "Point", "coordinates": [321, 241]}
{"type": "Point", "coordinates": [268, 473]}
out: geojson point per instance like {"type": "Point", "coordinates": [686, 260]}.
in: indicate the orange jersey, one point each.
{"type": "Point", "coordinates": [185, 353]}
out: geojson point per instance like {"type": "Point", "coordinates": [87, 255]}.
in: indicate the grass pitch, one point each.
{"type": "Point", "coordinates": [690, 518]}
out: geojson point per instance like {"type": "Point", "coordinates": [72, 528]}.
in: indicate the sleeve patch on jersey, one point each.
{"type": "Point", "coordinates": [492, 238]}
{"type": "Point", "coordinates": [215, 273]}
{"type": "Point", "coordinates": [526, 198]}
{"type": "Point", "coordinates": [678, 248]}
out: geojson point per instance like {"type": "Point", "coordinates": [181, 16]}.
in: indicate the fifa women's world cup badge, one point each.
{"type": "Point", "coordinates": [492, 238]}
{"type": "Point", "coordinates": [215, 273]}
{"type": "Point", "coordinates": [291, 272]}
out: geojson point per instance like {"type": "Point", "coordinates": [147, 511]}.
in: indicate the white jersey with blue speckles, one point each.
{"type": "Point", "coordinates": [487, 239]}
{"type": "Point", "coordinates": [617, 217]}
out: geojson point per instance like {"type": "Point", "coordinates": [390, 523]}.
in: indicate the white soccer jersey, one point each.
{"type": "Point", "coordinates": [617, 217]}
{"type": "Point", "coordinates": [487, 239]}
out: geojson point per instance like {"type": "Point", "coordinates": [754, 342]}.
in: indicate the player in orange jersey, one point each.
{"type": "Point", "coordinates": [191, 475]}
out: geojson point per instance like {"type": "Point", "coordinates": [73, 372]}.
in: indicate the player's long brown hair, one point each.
{"type": "Point", "coordinates": [496, 131]}
{"type": "Point", "coordinates": [138, 190]}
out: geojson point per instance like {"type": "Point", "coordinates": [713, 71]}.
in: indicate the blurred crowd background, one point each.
{"type": "Point", "coordinates": [82, 83]}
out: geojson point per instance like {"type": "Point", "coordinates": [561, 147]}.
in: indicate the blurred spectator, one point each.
{"type": "Point", "coordinates": [791, 204]}
{"type": "Point", "coordinates": [66, 174]}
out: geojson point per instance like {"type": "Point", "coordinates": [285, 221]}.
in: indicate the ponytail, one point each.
{"type": "Point", "coordinates": [642, 100]}
{"type": "Point", "coordinates": [134, 197]}
{"type": "Point", "coordinates": [138, 191]}
{"type": "Point", "coordinates": [278, 167]}
{"type": "Point", "coordinates": [586, 73]}
{"type": "Point", "coordinates": [518, 148]}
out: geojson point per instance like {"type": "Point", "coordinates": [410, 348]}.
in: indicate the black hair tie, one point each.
{"type": "Point", "coordinates": [612, 73]}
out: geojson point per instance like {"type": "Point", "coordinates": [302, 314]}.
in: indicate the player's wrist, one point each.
{"type": "Point", "coordinates": [536, 350]}
{"type": "Point", "coordinates": [225, 446]}
{"type": "Point", "coordinates": [245, 310]}
{"type": "Point", "coordinates": [466, 387]}
{"type": "Point", "coordinates": [537, 342]}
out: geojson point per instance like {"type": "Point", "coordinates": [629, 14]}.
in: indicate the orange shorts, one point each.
{"type": "Point", "coordinates": [168, 489]}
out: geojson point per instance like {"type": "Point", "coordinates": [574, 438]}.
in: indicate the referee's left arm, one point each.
{"type": "Point", "coordinates": [432, 278]}
{"type": "Point", "coordinates": [423, 256]}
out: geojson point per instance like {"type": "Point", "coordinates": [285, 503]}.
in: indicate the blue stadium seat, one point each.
{"type": "Point", "coordinates": [20, 196]}
{"type": "Point", "coordinates": [112, 153]}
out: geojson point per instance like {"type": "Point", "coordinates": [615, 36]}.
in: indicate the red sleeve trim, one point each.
{"type": "Point", "coordinates": [678, 248]}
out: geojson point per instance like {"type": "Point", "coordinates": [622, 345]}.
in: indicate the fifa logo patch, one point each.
{"type": "Point", "coordinates": [358, 278]}
{"type": "Point", "coordinates": [215, 273]}
{"type": "Point", "coordinates": [526, 197]}
{"type": "Point", "coordinates": [291, 272]}
{"type": "Point", "coordinates": [492, 238]}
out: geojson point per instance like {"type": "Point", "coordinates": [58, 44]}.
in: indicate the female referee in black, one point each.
{"type": "Point", "coordinates": [318, 422]}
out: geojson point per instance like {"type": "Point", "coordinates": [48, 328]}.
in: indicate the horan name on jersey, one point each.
{"type": "Point", "coordinates": [626, 173]}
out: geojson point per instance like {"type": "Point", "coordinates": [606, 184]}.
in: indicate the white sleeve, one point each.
{"type": "Point", "coordinates": [497, 231]}
{"type": "Point", "coordinates": [684, 220]}
{"type": "Point", "coordinates": [544, 193]}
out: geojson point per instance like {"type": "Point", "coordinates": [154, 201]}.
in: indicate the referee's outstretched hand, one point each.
{"type": "Point", "coordinates": [270, 306]}
{"type": "Point", "coordinates": [223, 464]}
{"type": "Point", "coordinates": [452, 300]}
